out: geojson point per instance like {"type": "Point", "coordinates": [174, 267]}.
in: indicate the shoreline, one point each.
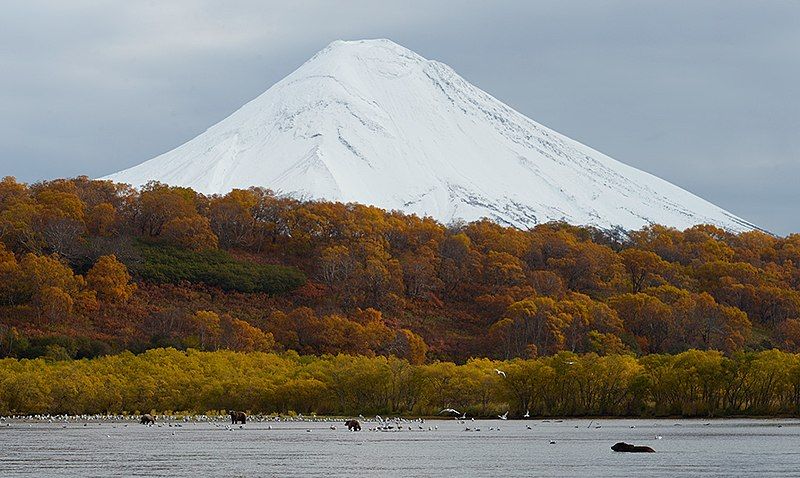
{"type": "Point", "coordinates": [203, 418]}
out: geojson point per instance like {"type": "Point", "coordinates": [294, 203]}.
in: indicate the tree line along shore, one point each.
{"type": "Point", "coordinates": [691, 384]}
{"type": "Point", "coordinates": [115, 299]}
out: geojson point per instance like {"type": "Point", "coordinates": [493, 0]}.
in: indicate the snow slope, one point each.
{"type": "Point", "coordinates": [372, 122]}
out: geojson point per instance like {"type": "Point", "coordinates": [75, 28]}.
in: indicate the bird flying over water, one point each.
{"type": "Point", "coordinates": [450, 410]}
{"type": "Point", "coordinates": [503, 416]}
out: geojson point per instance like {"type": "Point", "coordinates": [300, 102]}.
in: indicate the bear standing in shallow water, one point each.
{"type": "Point", "coordinates": [353, 425]}
{"type": "Point", "coordinates": [237, 417]}
{"type": "Point", "coordinates": [147, 419]}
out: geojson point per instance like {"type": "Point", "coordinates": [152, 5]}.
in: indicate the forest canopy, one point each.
{"type": "Point", "coordinates": [89, 268]}
{"type": "Point", "coordinates": [692, 383]}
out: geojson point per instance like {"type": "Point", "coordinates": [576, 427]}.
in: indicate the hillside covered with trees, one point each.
{"type": "Point", "coordinates": [89, 268]}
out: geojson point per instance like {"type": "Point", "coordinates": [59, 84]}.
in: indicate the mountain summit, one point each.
{"type": "Point", "coordinates": [373, 122]}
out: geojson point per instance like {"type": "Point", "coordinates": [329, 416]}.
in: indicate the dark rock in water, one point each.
{"type": "Point", "coordinates": [628, 448]}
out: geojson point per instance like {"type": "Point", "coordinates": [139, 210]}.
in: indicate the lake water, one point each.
{"type": "Point", "coordinates": [687, 448]}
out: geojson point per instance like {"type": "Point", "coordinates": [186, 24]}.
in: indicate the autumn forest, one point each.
{"type": "Point", "coordinates": [91, 269]}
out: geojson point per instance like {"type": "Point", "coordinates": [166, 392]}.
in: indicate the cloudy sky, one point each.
{"type": "Point", "coordinates": [705, 94]}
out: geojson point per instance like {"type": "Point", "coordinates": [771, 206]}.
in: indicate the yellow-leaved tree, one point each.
{"type": "Point", "coordinates": [110, 279]}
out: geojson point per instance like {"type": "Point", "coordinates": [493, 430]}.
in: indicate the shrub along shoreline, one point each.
{"type": "Point", "coordinates": [690, 384]}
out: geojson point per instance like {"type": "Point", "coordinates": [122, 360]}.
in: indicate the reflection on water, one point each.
{"type": "Point", "coordinates": [518, 448]}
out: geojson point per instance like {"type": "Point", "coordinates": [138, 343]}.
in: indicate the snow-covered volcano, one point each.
{"type": "Point", "coordinates": [374, 123]}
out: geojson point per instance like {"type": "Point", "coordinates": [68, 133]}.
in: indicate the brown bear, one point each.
{"type": "Point", "coordinates": [147, 419]}
{"type": "Point", "coordinates": [628, 448]}
{"type": "Point", "coordinates": [237, 417]}
{"type": "Point", "coordinates": [353, 425]}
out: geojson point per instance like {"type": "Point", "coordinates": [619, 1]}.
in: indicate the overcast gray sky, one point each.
{"type": "Point", "coordinates": [702, 93]}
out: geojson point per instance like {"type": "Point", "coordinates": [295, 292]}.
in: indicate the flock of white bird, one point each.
{"type": "Point", "coordinates": [378, 423]}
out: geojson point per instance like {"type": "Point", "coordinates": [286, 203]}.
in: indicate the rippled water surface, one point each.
{"type": "Point", "coordinates": [581, 449]}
